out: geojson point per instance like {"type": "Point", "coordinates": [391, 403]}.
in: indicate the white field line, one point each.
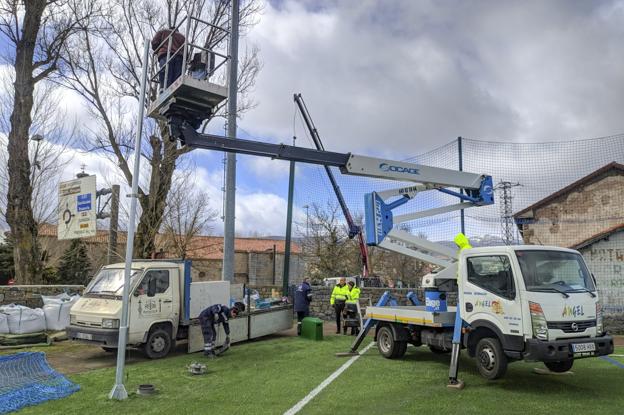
{"type": "Point", "coordinates": [323, 384]}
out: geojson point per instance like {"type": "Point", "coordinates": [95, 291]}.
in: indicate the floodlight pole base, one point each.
{"type": "Point", "coordinates": [118, 392]}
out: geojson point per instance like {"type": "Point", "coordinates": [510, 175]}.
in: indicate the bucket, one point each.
{"type": "Point", "coordinates": [435, 301]}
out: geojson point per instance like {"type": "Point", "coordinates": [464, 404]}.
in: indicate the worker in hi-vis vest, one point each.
{"type": "Point", "coordinates": [462, 241]}
{"type": "Point", "coordinates": [339, 297]}
{"type": "Point", "coordinates": [351, 306]}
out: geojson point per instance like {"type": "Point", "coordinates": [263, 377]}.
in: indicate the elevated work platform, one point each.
{"type": "Point", "coordinates": [188, 94]}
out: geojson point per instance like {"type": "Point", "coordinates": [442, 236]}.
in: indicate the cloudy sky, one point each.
{"type": "Point", "coordinates": [400, 78]}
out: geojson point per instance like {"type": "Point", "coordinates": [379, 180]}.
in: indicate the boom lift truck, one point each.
{"type": "Point", "coordinates": [522, 302]}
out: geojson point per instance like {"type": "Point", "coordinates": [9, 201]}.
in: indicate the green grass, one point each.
{"type": "Point", "coordinates": [417, 385]}
{"type": "Point", "coordinates": [270, 376]}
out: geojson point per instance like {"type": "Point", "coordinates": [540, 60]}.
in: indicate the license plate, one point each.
{"type": "Point", "coordinates": [583, 347]}
{"type": "Point", "coordinates": [84, 336]}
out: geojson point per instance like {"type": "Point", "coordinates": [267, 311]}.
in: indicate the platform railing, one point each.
{"type": "Point", "coordinates": [212, 57]}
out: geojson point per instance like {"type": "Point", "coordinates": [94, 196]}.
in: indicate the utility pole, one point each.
{"type": "Point", "coordinates": [113, 225]}
{"type": "Point", "coordinates": [506, 211]}
{"type": "Point", "coordinates": [462, 224]}
{"type": "Point", "coordinates": [119, 390]}
{"type": "Point", "coordinates": [291, 188]}
{"type": "Point", "coordinates": [230, 177]}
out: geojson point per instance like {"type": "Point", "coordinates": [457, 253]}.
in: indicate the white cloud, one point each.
{"type": "Point", "coordinates": [402, 79]}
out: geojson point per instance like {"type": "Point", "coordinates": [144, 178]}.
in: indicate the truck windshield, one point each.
{"type": "Point", "coordinates": [110, 281]}
{"type": "Point", "coordinates": [554, 271]}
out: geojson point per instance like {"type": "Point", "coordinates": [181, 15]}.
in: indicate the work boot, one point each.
{"type": "Point", "coordinates": [210, 354]}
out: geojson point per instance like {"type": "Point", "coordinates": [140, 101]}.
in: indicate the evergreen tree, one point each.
{"type": "Point", "coordinates": [74, 267]}
{"type": "Point", "coordinates": [7, 268]}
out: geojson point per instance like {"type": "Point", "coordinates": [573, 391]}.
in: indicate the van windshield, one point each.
{"type": "Point", "coordinates": [110, 281]}
{"type": "Point", "coordinates": [554, 271]}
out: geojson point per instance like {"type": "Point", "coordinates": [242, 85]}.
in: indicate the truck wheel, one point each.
{"type": "Point", "coordinates": [491, 360]}
{"type": "Point", "coordinates": [560, 367]}
{"type": "Point", "coordinates": [158, 344]}
{"type": "Point", "coordinates": [388, 347]}
{"type": "Point", "coordinates": [439, 350]}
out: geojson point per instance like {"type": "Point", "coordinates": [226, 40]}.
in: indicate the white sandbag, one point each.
{"type": "Point", "coordinates": [4, 323]}
{"type": "Point", "coordinates": [23, 320]}
{"type": "Point", "coordinates": [57, 314]}
{"type": "Point", "coordinates": [55, 299]}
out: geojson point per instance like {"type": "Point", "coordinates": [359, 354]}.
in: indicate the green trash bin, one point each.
{"type": "Point", "coordinates": [312, 328]}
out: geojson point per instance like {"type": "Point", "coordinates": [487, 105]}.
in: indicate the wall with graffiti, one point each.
{"type": "Point", "coordinates": [605, 259]}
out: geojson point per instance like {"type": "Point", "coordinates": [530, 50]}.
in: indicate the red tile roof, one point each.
{"type": "Point", "coordinates": [572, 187]}
{"type": "Point", "coordinates": [200, 247]}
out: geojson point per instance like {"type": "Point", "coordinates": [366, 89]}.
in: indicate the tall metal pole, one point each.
{"type": "Point", "coordinates": [119, 390]}
{"type": "Point", "coordinates": [291, 187]}
{"type": "Point", "coordinates": [461, 168]}
{"type": "Point", "coordinates": [113, 225]}
{"type": "Point", "coordinates": [230, 175]}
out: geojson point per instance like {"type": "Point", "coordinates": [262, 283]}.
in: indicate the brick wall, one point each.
{"type": "Point", "coordinates": [30, 295]}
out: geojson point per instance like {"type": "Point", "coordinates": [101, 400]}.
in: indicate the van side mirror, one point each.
{"type": "Point", "coordinates": [151, 287]}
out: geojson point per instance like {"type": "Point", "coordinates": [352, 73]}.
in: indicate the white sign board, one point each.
{"type": "Point", "coordinates": [77, 208]}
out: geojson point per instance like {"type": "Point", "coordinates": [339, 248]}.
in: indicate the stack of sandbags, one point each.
{"type": "Point", "coordinates": [53, 299]}
{"type": "Point", "coordinates": [22, 320]}
{"type": "Point", "coordinates": [56, 309]}
{"type": "Point", "coordinates": [4, 324]}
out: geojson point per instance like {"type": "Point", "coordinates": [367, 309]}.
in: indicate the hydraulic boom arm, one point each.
{"type": "Point", "coordinates": [353, 228]}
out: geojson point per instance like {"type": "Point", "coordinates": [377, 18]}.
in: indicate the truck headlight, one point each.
{"type": "Point", "coordinates": [538, 321]}
{"type": "Point", "coordinates": [599, 328]}
{"type": "Point", "coordinates": [109, 323]}
{"type": "Point", "coordinates": [72, 319]}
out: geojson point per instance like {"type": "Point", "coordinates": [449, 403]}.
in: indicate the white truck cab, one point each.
{"type": "Point", "coordinates": [523, 302]}
{"type": "Point", "coordinates": [541, 304]}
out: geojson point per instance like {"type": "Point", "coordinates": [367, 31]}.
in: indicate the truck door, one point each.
{"type": "Point", "coordinates": [152, 301]}
{"type": "Point", "coordinates": [489, 293]}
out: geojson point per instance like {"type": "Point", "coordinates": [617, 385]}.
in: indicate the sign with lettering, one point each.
{"type": "Point", "coordinates": [77, 210]}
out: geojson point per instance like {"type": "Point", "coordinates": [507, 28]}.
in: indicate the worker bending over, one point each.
{"type": "Point", "coordinates": [351, 306]}
{"type": "Point", "coordinates": [338, 298]}
{"type": "Point", "coordinates": [210, 318]}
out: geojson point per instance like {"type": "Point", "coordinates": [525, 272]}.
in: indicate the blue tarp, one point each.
{"type": "Point", "coordinates": [27, 379]}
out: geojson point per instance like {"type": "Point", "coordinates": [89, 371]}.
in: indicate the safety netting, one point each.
{"type": "Point", "coordinates": [27, 379]}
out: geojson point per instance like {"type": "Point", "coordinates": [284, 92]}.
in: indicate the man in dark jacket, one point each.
{"type": "Point", "coordinates": [303, 297]}
{"type": "Point", "coordinates": [210, 318]}
{"type": "Point", "coordinates": [160, 42]}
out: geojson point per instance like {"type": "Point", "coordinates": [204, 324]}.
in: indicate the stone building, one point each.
{"type": "Point", "coordinates": [587, 215]}
{"type": "Point", "coordinates": [257, 261]}
{"type": "Point", "coordinates": [585, 208]}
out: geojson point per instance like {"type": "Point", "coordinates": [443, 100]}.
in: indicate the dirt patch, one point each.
{"type": "Point", "coordinates": [69, 357]}
{"type": "Point", "coordinates": [618, 340]}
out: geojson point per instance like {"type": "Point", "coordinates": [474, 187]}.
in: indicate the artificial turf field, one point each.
{"type": "Point", "coordinates": [271, 376]}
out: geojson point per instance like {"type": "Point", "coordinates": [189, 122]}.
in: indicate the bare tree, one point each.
{"type": "Point", "coordinates": [188, 215]}
{"type": "Point", "coordinates": [37, 31]}
{"type": "Point", "coordinates": [103, 66]}
{"type": "Point", "coordinates": [326, 245]}
{"type": "Point", "coordinates": [54, 132]}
